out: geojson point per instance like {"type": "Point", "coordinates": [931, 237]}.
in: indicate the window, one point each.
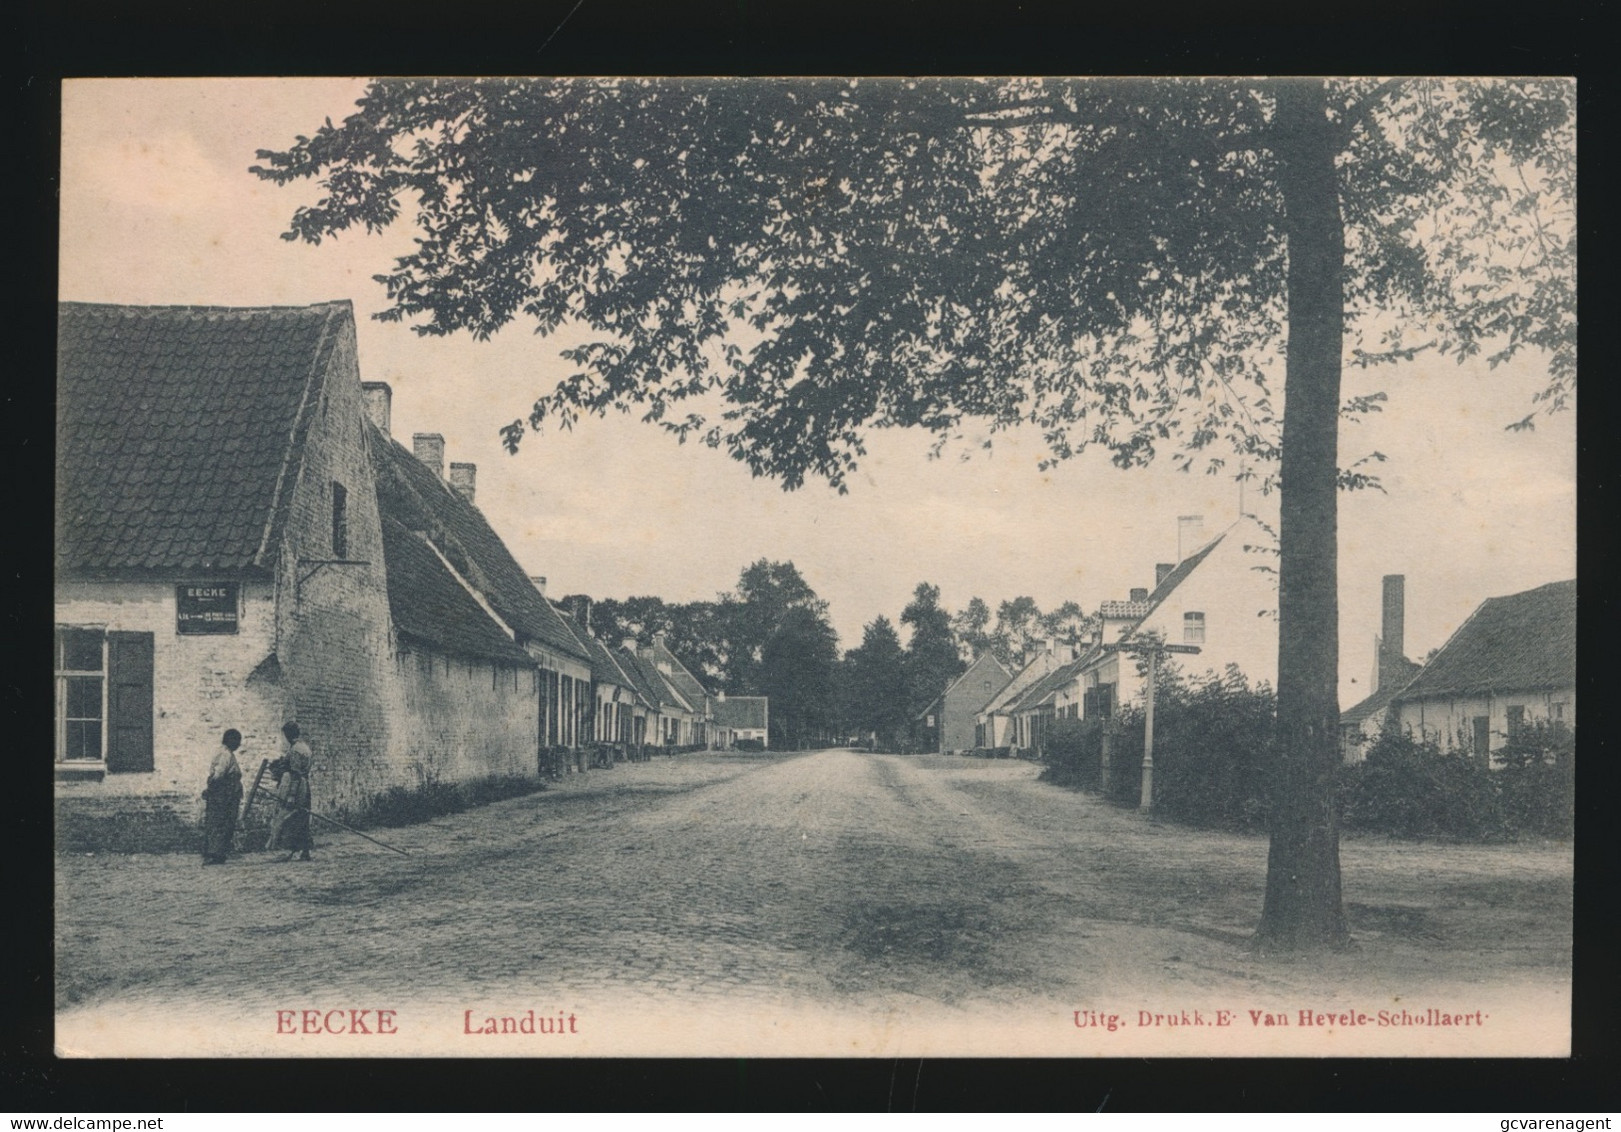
{"type": "Point", "coordinates": [1482, 736]}
{"type": "Point", "coordinates": [1516, 719]}
{"type": "Point", "coordinates": [81, 695]}
{"type": "Point", "coordinates": [1193, 628]}
{"type": "Point", "coordinates": [340, 520]}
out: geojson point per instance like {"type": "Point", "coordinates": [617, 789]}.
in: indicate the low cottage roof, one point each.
{"type": "Point", "coordinates": [679, 675]}
{"type": "Point", "coordinates": [1521, 642]}
{"type": "Point", "coordinates": [1379, 700]}
{"type": "Point", "coordinates": [1044, 691]}
{"type": "Point", "coordinates": [651, 682]}
{"type": "Point", "coordinates": [430, 605]}
{"type": "Point", "coordinates": [421, 501]}
{"type": "Point", "coordinates": [179, 430]}
{"type": "Point", "coordinates": [606, 667]}
{"type": "Point", "coordinates": [742, 712]}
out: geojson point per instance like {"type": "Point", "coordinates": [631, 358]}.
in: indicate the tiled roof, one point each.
{"type": "Point", "coordinates": [1028, 677]}
{"type": "Point", "coordinates": [1520, 642]}
{"type": "Point", "coordinates": [1380, 700]}
{"type": "Point", "coordinates": [1043, 691]}
{"type": "Point", "coordinates": [605, 666]}
{"type": "Point", "coordinates": [1182, 569]}
{"type": "Point", "coordinates": [431, 606]}
{"type": "Point", "coordinates": [685, 682]}
{"type": "Point", "coordinates": [741, 712]}
{"type": "Point", "coordinates": [651, 683]}
{"type": "Point", "coordinates": [412, 494]}
{"type": "Point", "coordinates": [179, 430]}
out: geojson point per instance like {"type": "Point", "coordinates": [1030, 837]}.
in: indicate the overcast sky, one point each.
{"type": "Point", "coordinates": [158, 207]}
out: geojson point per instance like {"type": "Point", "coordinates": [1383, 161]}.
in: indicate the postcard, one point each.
{"type": "Point", "coordinates": [1049, 567]}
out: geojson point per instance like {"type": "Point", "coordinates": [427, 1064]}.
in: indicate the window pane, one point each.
{"type": "Point", "coordinates": [83, 697]}
{"type": "Point", "coordinates": [83, 739]}
{"type": "Point", "coordinates": [81, 649]}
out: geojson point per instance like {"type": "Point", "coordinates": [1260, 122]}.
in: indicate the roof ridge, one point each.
{"type": "Point", "coordinates": [137, 309]}
{"type": "Point", "coordinates": [294, 449]}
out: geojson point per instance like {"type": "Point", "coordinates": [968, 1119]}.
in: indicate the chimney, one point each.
{"type": "Point", "coordinates": [379, 401]}
{"type": "Point", "coordinates": [539, 582]}
{"type": "Point", "coordinates": [659, 638]}
{"type": "Point", "coordinates": [1139, 594]}
{"type": "Point", "coordinates": [1189, 535]}
{"type": "Point", "coordinates": [1161, 569]}
{"type": "Point", "coordinates": [1392, 647]}
{"type": "Point", "coordinates": [429, 447]}
{"type": "Point", "coordinates": [580, 610]}
{"type": "Point", "coordinates": [463, 478]}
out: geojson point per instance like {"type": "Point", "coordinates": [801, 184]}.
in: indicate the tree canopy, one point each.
{"type": "Point", "coordinates": [776, 266]}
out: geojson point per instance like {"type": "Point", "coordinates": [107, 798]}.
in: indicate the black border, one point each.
{"type": "Point", "coordinates": [753, 37]}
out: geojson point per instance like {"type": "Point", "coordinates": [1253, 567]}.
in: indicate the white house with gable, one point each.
{"type": "Point", "coordinates": [1221, 598]}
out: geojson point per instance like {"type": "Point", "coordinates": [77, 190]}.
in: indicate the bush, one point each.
{"type": "Point", "coordinates": [1537, 780]}
{"type": "Point", "coordinates": [749, 745]}
{"type": "Point", "coordinates": [400, 805]}
{"type": "Point", "coordinates": [1074, 750]}
{"type": "Point", "coordinates": [1214, 751]}
{"type": "Point", "coordinates": [1410, 787]}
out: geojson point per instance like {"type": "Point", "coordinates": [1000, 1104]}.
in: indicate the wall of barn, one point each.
{"type": "Point", "coordinates": [333, 628]}
{"type": "Point", "coordinates": [1449, 721]}
{"type": "Point", "coordinates": [462, 719]}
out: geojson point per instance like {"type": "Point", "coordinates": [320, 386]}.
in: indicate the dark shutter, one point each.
{"type": "Point", "coordinates": [129, 702]}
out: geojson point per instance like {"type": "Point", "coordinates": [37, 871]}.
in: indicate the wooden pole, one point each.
{"type": "Point", "coordinates": [247, 807]}
{"type": "Point", "coordinates": [1147, 800]}
{"type": "Point", "coordinates": [351, 829]}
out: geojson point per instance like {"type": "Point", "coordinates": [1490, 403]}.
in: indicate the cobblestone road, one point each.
{"type": "Point", "coordinates": [836, 878]}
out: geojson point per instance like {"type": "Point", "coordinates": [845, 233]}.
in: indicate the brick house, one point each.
{"type": "Point", "coordinates": [219, 556]}
{"type": "Point", "coordinates": [225, 557]}
{"type": "Point", "coordinates": [953, 716]}
{"type": "Point", "coordinates": [997, 724]}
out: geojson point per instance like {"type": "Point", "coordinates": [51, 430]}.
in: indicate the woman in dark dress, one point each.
{"type": "Point", "coordinates": [222, 798]}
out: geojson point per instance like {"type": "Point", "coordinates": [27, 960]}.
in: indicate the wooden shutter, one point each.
{"type": "Point", "coordinates": [129, 702]}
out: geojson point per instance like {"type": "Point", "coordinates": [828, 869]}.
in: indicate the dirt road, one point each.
{"type": "Point", "coordinates": [834, 881]}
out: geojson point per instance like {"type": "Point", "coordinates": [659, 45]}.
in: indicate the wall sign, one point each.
{"type": "Point", "coordinates": [206, 607]}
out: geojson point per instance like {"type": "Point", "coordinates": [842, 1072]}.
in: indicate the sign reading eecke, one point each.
{"type": "Point", "coordinates": [205, 607]}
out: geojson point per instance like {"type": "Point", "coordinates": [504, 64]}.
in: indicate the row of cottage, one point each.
{"type": "Point", "coordinates": [1510, 664]}
{"type": "Point", "coordinates": [240, 542]}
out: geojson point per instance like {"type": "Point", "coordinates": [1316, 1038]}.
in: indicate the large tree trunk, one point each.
{"type": "Point", "coordinates": [1303, 908]}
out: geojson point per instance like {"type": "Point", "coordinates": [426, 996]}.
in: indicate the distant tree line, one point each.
{"type": "Point", "coordinates": [771, 635]}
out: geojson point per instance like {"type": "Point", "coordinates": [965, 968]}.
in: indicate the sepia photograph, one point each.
{"type": "Point", "coordinates": [834, 567]}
